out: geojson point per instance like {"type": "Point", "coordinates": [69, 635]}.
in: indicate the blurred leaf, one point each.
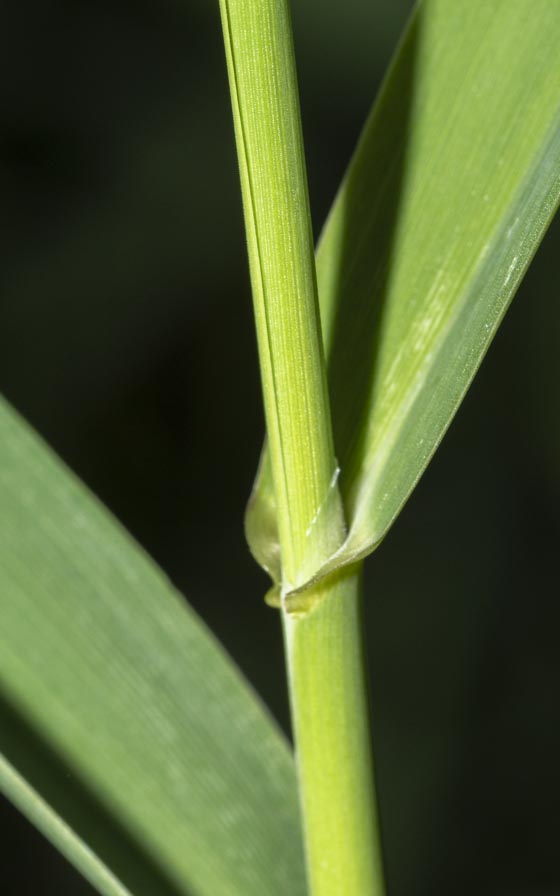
{"type": "Point", "coordinates": [126, 734]}
{"type": "Point", "coordinates": [453, 184]}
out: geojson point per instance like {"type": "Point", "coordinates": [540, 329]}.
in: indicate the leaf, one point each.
{"type": "Point", "coordinates": [126, 734]}
{"type": "Point", "coordinates": [453, 184]}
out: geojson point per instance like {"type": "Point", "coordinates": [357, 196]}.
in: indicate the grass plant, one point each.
{"type": "Point", "coordinates": [127, 735]}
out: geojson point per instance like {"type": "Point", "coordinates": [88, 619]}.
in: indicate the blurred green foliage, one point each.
{"type": "Point", "coordinates": [122, 247]}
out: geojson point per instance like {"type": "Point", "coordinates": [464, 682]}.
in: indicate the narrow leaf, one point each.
{"type": "Point", "coordinates": [451, 189]}
{"type": "Point", "coordinates": [126, 734]}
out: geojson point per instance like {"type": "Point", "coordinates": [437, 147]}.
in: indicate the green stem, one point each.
{"type": "Point", "coordinates": [262, 74]}
{"type": "Point", "coordinates": [330, 713]}
{"type": "Point", "coordinates": [322, 625]}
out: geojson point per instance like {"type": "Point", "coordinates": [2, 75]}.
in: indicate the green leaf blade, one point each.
{"type": "Point", "coordinates": [127, 734]}
{"type": "Point", "coordinates": [452, 186]}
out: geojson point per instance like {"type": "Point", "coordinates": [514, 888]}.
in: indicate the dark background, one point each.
{"type": "Point", "coordinates": [126, 338]}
